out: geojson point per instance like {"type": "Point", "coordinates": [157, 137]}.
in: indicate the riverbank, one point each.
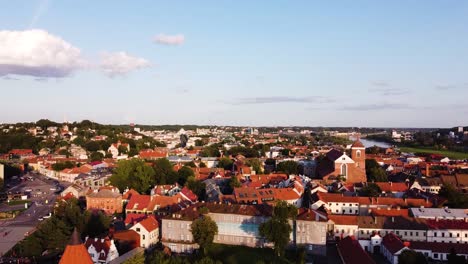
{"type": "Point", "coordinates": [445, 153]}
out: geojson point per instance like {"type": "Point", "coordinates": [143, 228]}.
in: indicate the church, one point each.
{"type": "Point", "coordinates": [338, 164]}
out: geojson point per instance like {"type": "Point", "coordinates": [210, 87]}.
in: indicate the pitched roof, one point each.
{"type": "Point", "coordinates": [439, 247]}
{"type": "Point", "coordinates": [357, 144]}
{"type": "Point", "coordinates": [138, 202]}
{"type": "Point", "coordinates": [101, 245]}
{"type": "Point", "coordinates": [392, 186]}
{"type": "Point", "coordinates": [189, 194]}
{"type": "Point", "coordinates": [75, 252]}
{"type": "Point", "coordinates": [351, 252]}
{"type": "Point", "coordinates": [334, 154]}
{"type": "Point", "coordinates": [150, 224]}
{"type": "Point", "coordinates": [392, 243]}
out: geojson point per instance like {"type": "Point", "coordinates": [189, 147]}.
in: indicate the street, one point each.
{"type": "Point", "coordinates": [42, 196]}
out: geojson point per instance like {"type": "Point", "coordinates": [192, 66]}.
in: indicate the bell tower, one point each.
{"type": "Point", "coordinates": [358, 154]}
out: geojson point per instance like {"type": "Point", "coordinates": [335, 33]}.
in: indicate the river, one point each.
{"type": "Point", "coordinates": [370, 143]}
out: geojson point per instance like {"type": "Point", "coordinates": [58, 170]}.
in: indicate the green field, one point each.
{"type": "Point", "coordinates": [445, 153]}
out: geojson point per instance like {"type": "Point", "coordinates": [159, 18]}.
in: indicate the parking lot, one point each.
{"type": "Point", "coordinates": [42, 193]}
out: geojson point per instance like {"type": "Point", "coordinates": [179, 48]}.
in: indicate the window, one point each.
{"type": "Point", "coordinates": [358, 154]}
{"type": "Point", "coordinates": [436, 256]}
{"type": "Point", "coordinates": [138, 230]}
{"type": "Point", "coordinates": [344, 171]}
{"type": "Point", "coordinates": [144, 237]}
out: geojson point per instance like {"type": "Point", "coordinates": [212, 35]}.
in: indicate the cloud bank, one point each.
{"type": "Point", "coordinates": [375, 107]}
{"type": "Point", "coordinates": [281, 99]}
{"type": "Point", "coordinates": [120, 63]}
{"type": "Point", "coordinates": [171, 40]}
{"type": "Point", "coordinates": [37, 53]}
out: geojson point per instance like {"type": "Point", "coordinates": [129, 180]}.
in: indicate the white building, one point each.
{"type": "Point", "coordinates": [148, 229]}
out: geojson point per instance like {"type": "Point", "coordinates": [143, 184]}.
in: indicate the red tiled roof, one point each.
{"type": "Point", "coordinates": [75, 252]}
{"type": "Point", "coordinates": [130, 236]}
{"type": "Point", "coordinates": [389, 212]}
{"type": "Point", "coordinates": [138, 202]}
{"type": "Point", "coordinates": [132, 218]}
{"type": "Point", "coordinates": [189, 194]}
{"type": "Point", "coordinates": [351, 252]}
{"type": "Point", "coordinates": [392, 186]}
{"type": "Point", "coordinates": [150, 224]}
{"type": "Point", "coordinates": [344, 219]}
{"type": "Point", "coordinates": [447, 224]}
{"type": "Point", "coordinates": [439, 247]}
{"type": "Point", "coordinates": [391, 201]}
{"type": "Point", "coordinates": [392, 243]}
{"type": "Point", "coordinates": [152, 154]}
{"type": "Point", "coordinates": [21, 152]}
{"type": "Point", "coordinates": [357, 144]}
{"type": "Point", "coordinates": [129, 194]}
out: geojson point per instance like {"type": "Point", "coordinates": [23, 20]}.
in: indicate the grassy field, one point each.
{"type": "Point", "coordinates": [445, 153]}
{"type": "Point", "coordinates": [239, 254]}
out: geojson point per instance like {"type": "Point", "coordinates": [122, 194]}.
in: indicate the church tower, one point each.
{"type": "Point", "coordinates": [358, 155]}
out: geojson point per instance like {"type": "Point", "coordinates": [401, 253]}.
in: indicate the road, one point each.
{"type": "Point", "coordinates": [42, 200]}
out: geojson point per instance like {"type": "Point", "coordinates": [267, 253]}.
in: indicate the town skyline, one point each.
{"type": "Point", "coordinates": [255, 64]}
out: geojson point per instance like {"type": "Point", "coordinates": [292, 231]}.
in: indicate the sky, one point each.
{"type": "Point", "coordinates": [243, 63]}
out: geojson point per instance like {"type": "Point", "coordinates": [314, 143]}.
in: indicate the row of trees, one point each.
{"type": "Point", "coordinates": [141, 176]}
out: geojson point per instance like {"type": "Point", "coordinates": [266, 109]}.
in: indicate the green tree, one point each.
{"type": "Point", "coordinates": [164, 172]}
{"type": "Point", "coordinates": [134, 174]}
{"type": "Point", "coordinates": [197, 187]}
{"type": "Point", "coordinates": [234, 182]}
{"type": "Point", "coordinates": [277, 229]}
{"type": "Point", "coordinates": [256, 165]}
{"type": "Point", "coordinates": [96, 224]}
{"type": "Point", "coordinates": [92, 146]}
{"type": "Point", "coordinates": [225, 163]}
{"type": "Point", "coordinates": [64, 152]}
{"type": "Point", "coordinates": [184, 173]}
{"type": "Point", "coordinates": [371, 190]}
{"type": "Point", "coordinates": [96, 156]}
{"type": "Point", "coordinates": [455, 198]}
{"type": "Point", "coordinates": [137, 259]}
{"type": "Point", "coordinates": [289, 167]}
{"type": "Point", "coordinates": [375, 172]}
{"type": "Point", "coordinates": [122, 150]}
{"type": "Point", "coordinates": [411, 257]}
{"type": "Point", "coordinates": [203, 231]}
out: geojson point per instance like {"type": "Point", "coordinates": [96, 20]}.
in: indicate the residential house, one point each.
{"type": "Point", "coordinates": [148, 230]}
{"type": "Point", "coordinates": [392, 247]}
{"type": "Point", "coordinates": [351, 252]}
{"type": "Point", "coordinates": [101, 250]}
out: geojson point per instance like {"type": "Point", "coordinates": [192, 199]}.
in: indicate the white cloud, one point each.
{"type": "Point", "coordinates": [178, 39]}
{"type": "Point", "coordinates": [120, 63]}
{"type": "Point", "coordinates": [37, 53]}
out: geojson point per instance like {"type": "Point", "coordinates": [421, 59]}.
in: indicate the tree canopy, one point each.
{"type": "Point", "coordinates": [289, 167]}
{"type": "Point", "coordinates": [134, 174]}
{"type": "Point", "coordinates": [203, 230]}
{"type": "Point", "coordinates": [277, 229]}
{"type": "Point", "coordinates": [375, 172]}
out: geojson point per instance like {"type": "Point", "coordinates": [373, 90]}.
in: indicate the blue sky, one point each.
{"type": "Point", "coordinates": [310, 63]}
